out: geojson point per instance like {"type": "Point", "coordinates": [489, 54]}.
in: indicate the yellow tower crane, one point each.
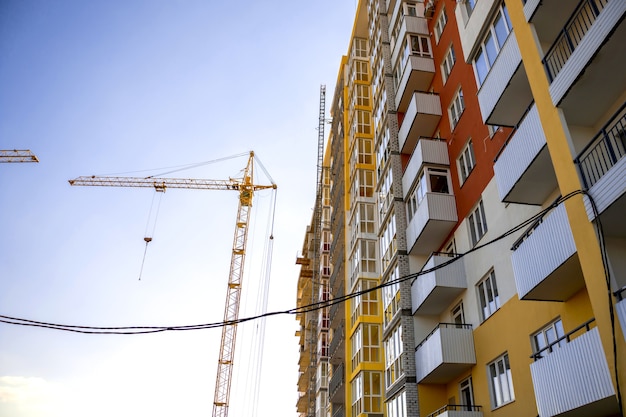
{"type": "Point", "coordinates": [246, 188]}
{"type": "Point", "coordinates": [17, 156]}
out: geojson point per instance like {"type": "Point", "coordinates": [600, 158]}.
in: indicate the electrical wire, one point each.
{"type": "Point", "coordinates": [293, 311]}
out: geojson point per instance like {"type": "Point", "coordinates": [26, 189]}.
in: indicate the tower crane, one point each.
{"type": "Point", "coordinates": [17, 156]}
{"type": "Point", "coordinates": [246, 188]}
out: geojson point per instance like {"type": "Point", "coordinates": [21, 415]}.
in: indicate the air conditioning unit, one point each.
{"type": "Point", "coordinates": [429, 9]}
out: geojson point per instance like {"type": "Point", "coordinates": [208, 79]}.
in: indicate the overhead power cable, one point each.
{"type": "Point", "coordinates": [298, 310]}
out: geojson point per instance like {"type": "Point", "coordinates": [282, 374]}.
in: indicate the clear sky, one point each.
{"type": "Point", "coordinates": [119, 86]}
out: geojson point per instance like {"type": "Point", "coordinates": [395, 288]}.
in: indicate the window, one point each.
{"type": "Point", "coordinates": [450, 247]}
{"type": "Point", "coordinates": [466, 393]}
{"type": "Point", "coordinates": [440, 24]}
{"type": "Point", "coordinates": [488, 295]}
{"type": "Point", "coordinates": [458, 317]}
{"type": "Point", "coordinates": [492, 43]}
{"type": "Point", "coordinates": [396, 407]}
{"type": "Point", "coordinates": [447, 64]}
{"type": "Point", "coordinates": [367, 395]}
{"type": "Point", "coordinates": [469, 5]}
{"type": "Point", "coordinates": [365, 344]}
{"type": "Point", "coordinates": [500, 381]}
{"type": "Point", "coordinates": [430, 180]}
{"type": "Point", "coordinates": [477, 223]}
{"type": "Point", "coordinates": [365, 304]}
{"type": "Point", "coordinates": [365, 151]}
{"type": "Point", "coordinates": [547, 336]}
{"type": "Point", "coordinates": [388, 242]}
{"type": "Point", "coordinates": [393, 357]}
{"type": "Point", "coordinates": [391, 296]}
{"type": "Point", "coordinates": [410, 9]}
{"type": "Point", "coordinates": [420, 45]}
{"type": "Point", "coordinates": [466, 161]}
{"type": "Point", "coordinates": [456, 109]}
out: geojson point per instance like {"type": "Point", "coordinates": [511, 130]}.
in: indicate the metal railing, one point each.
{"type": "Point", "coordinates": [337, 380]}
{"type": "Point", "coordinates": [567, 338]}
{"type": "Point", "coordinates": [444, 325]}
{"type": "Point", "coordinates": [338, 410]}
{"type": "Point", "coordinates": [572, 33]}
{"type": "Point", "coordinates": [455, 407]}
{"type": "Point", "coordinates": [604, 150]}
{"type": "Point", "coordinates": [337, 340]}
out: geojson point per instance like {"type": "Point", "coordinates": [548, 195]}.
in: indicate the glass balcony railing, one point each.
{"type": "Point", "coordinates": [571, 35]}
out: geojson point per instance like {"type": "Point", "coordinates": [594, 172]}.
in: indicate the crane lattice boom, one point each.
{"type": "Point", "coordinates": [246, 189]}
{"type": "Point", "coordinates": [160, 184]}
{"type": "Point", "coordinates": [17, 156]}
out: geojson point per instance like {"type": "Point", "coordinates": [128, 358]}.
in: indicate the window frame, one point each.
{"type": "Point", "coordinates": [466, 161]}
{"type": "Point", "coordinates": [488, 295]}
{"type": "Point", "coordinates": [440, 24]}
{"type": "Point", "coordinates": [447, 64]}
{"type": "Point", "coordinates": [496, 45]}
{"type": "Point", "coordinates": [423, 186]}
{"type": "Point", "coordinates": [557, 327]}
{"type": "Point", "coordinates": [477, 223]}
{"type": "Point", "coordinates": [500, 384]}
{"type": "Point", "coordinates": [456, 108]}
{"type": "Point", "coordinates": [466, 385]}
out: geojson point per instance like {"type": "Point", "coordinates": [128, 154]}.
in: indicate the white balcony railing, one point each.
{"type": "Point", "coordinates": [445, 353]}
{"type": "Point", "coordinates": [432, 292]}
{"type": "Point", "coordinates": [574, 376]}
{"type": "Point", "coordinates": [545, 260]}
{"type": "Point", "coordinates": [523, 169]}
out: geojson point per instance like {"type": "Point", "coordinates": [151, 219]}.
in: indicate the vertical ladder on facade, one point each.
{"type": "Point", "coordinates": [317, 240]}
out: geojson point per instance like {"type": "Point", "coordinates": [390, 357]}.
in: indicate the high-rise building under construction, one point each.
{"type": "Point", "coordinates": [467, 256]}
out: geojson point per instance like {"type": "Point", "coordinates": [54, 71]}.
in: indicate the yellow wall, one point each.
{"type": "Point", "coordinates": [508, 331]}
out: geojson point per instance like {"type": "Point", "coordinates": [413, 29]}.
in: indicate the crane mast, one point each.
{"type": "Point", "coordinates": [246, 189]}
{"type": "Point", "coordinates": [317, 239]}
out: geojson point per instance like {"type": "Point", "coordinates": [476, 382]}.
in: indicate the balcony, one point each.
{"type": "Point", "coordinates": [433, 292]}
{"type": "Point", "coordinates": [505, 93]}
{"type": "Point", "coordinates": [571, 376]}
{"type": "Point", "coordinates": [337, 345]}
{"type": "Point", "coordinates": [620, 308]}
{"type": "Point", "coordinates": [337, 384]}
{"type": "Point", "coordinates": [455, 410]}
{"type": "Point", "coordinates": [602, 166]}
{"type": "Point", "coordinates": [523, 168]}
{"type": "Point", "coordinates": [303, 381]}
{"type": "Point", "coordinates": [421, 119]}
{"type": "Point", "coordinates": [545, 260]}
{"type": "Point", "coordinates": [303, 403]}
{"type": "Point", "coordinates": [548, 17]}
{"type": "Point", "coordinates": [408, 25]}
{"type": "Point", "coordinates": [433, 221]}
{"type": "Point", "coordinates": [445, 353]}
{"type": "Point", "coordinates": [417, 75]}
{"type": "Point", "coordinates": [585, 63]}
{"type": "Point", "coordinates": [337, 313]}
{"type": "Point", "coordinates": [429, 151]}
{"type": "Point", "coordinates": [338, 410]}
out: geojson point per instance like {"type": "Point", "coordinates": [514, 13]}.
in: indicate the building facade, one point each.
{"type": "Point", "coordinates": [476, 176]}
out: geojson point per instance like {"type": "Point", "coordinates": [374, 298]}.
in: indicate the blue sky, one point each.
{"type": "Point", "coordinates": [106, 87]}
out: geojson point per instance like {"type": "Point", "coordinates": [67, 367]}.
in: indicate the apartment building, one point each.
{"type": "Point", "coordinates": [477, 187]}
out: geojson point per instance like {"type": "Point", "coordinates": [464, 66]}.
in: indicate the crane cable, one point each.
{"type": "Point", "coordinates": [148, 236]}
{"type": "Point", "coordinates": [253, 370]}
